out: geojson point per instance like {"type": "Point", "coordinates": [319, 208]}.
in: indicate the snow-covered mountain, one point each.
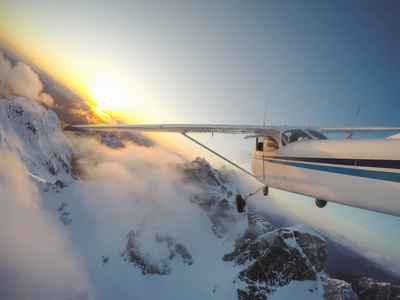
{"type": "Point", "coordinates": [88, 218]}
{"type": "Point", "coordinates": [368, 288]}
{"type": "Point", "coordinates": [338, 289]}
{"type": "Point", "coordinates": [33, 133]}
{"type": "Point", "coordinates": [345, 263]}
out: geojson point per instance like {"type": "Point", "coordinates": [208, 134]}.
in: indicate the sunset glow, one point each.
{"type": "Point", "coordinates": [109, 93]}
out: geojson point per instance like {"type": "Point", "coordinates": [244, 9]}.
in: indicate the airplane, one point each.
{"type": "Point", "coordinates": [362, 173]}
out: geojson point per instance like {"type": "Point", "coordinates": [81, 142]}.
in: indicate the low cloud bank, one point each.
{"type": "Point", "coordinates": [21, 80]}
{"type": "Point", "coordinates": [133, 189]}
{"type": "Point", "coordinates": [36, 257]}
{"type": "Point", "coordinates": [135, 172]}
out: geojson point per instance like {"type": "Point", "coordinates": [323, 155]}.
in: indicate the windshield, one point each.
{"type": "Point", "coordinates": [295, 135]}
{"type": "Point", "coordinates": [317, 134]}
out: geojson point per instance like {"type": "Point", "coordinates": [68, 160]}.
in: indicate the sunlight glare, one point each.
{"type": "Point", "coordinates": [111, 94]}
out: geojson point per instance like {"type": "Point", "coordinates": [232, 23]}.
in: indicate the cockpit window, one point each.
{"type": "Point", "coordinates": [295, 135]}
{"type": "Point", "coordinates": [317, 134]}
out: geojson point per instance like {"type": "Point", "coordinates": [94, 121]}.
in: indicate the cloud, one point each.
{"type": "Point", "coordinates": [141, 169]}
{"type": "Point", "coordinates": [135, 180]}
{"type": "Point", "coordinates": [131, 188]}
{"type": "Point", "coordinates": [146, 191]}
{"type": "Point", "coordinates": [80, 113]}
{"type": "Point", "coordinates": [21, 80]}
{"type": "Point", "coordinates": [90, 116]}
{"type": "Point", "coordinates": [36, 257]}
{"type": "Point", "coordinates": [135, 188]}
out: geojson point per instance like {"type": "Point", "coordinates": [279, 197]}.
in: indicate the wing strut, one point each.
{"type": "Point", "coordinates": [219, 155]}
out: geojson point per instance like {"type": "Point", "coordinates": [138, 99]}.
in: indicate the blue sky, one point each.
{"type": "Point", "coordinates": [218, 62]}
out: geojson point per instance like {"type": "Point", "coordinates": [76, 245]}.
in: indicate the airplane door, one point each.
{"type": "Point", "coordinates": [263, 162]}
{"type": "Point", "coordinates": [270, 176]}
{"type": "Point", "coordinates": [258, 164]}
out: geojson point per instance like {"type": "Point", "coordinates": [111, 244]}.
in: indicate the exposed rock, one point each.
{"type": "Point", "coordinates": [274, 257]}
{"type": "Point", "coordinates": [336, 289]}
{"type": "Point", "coordinates": [346, 264]}
{"type": "Point", "coordinates": [313, 247]}
{"type": "Point", "coordinates": [145, 261]}
{"type": "Point", "coordinates": [367, 288]}
{"type": "Point", "coordinates": [216, 190]}
{"type": "Point", "coordinates": [104, 260]}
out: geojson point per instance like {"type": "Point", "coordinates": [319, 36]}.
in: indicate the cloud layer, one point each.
{"type": "Point", "coordinates": [36, 257]}
{"type": "Point", "coordinates": [21, 80]}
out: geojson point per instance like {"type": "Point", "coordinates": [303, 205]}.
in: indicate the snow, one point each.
{"type": "Point", "coordinates": [34, 134]}
{"type": "Point", "coordinates": [96, 229]}
{"type": "Point", "coordinates": [299, 290]}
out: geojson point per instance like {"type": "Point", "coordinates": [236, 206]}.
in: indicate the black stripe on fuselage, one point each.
{"type": "Point", "coordinates": [372, 163]}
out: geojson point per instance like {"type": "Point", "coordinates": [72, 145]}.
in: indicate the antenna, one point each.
{"type": "Point", "coordinates": [309, 119]}
{"type": "Point", "coordinates": [265, 113]}
{"type": "Point", "coordinates": [355, 119]}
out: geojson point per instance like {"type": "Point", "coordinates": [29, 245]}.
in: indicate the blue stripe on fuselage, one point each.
{"type": "Point", "coordinates": [379, 175]}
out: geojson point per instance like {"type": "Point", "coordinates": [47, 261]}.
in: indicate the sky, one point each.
{"type": "Point", "coordinates": [219, 62]}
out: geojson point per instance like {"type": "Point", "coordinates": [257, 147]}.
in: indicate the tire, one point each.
{"type": "Point", "coordinates": [265, 191]}
{"type": "Point", "coordinates": [240, 203]}
{"type": "Point", "coordinates": [320, 203]}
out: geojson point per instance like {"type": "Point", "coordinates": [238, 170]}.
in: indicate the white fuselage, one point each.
{"type": "Point", "coordinates": [359, 173]}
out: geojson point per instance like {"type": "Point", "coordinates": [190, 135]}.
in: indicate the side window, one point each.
{"type": "Point", "coordinates": [259, 143]}
{"type": "Point", "coordinates": [270, 144]}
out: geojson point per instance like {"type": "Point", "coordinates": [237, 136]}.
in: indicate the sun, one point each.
{"type": "Point", "coordinates": [110, 94]}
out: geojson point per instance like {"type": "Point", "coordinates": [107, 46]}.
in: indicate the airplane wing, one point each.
{"type": "Point", "coordinates": [219, 128]}
{"type": "Point", "coordinates": [357, 129]}
{"type": "Point", "coordinates": [177, 128]}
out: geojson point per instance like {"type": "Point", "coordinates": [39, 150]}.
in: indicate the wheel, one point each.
{"type": "Point", "coordinates": [320, 203]}
{"type": "Point", "coordinates": [265, 191]}
{"type": "Point", "coordinates": [240, 203]}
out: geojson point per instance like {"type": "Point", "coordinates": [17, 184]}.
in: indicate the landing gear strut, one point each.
{"type": "Point", "coordinates": [241, 202]}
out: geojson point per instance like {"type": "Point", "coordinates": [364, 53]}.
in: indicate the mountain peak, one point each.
{"type": "Point", "coordinates": [34, 134]}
